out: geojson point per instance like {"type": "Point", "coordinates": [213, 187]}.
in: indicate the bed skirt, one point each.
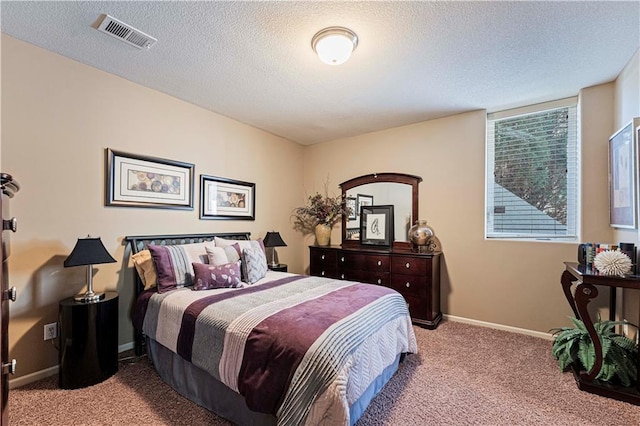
{"type": "Point", "coordinates": [200, 387]}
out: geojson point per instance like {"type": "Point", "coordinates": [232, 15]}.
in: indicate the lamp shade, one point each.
{"type": "Point", "coordinates": [273, 239]}
{"type": "Point", "coordinates": [334, 45]}
{"type": "Point", "coordinates": [88, 251]}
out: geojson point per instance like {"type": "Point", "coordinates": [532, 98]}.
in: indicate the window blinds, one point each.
{"type": "Point", "coordinates": [532, 172]}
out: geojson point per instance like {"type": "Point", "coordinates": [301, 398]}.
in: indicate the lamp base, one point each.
{"type": "Point", "coordinates": [89, 297]}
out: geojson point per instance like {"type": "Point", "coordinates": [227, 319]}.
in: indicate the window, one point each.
{"type": "Point", "coordinates": [532, 172]}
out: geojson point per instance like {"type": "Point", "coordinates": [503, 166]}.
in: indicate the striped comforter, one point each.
{"type": "Point", "coordinates": [280, 343]}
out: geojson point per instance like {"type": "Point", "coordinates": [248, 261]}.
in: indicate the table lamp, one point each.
{"type": "Point", "coordinates": [88, 251]}
{"type": "Point", "coordinates": [273, 239]}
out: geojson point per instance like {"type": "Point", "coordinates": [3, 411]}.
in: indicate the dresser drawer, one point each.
{"type": "Point", "coordinates": [323, 258]}
{"type": "Point", "coordinates": [379, 278]}
{"type": "Point", "coordinates": [417, 307]}
{"type": "Point", "coordinates": [410, 265]}
{"type": "Point", "coordinates": [378, 263]}
{"type": "Point", "coordinates": [409, 285]}
{"type": "Point", "coordinates": [351, 261]}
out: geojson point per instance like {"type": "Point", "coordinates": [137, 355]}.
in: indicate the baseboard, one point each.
{"type": "Point", "coordinates": [546, 336]}
{"type": "Point", "coordinates": [34, 377]}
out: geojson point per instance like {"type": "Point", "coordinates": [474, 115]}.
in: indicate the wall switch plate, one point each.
{"type": "Point", "coordinates": [51, 331]}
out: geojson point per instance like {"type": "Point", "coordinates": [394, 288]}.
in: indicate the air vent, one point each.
{"type": "Point", "coordinates": [126, 33]}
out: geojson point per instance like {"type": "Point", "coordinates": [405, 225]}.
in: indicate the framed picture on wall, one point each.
{"type": "Point", "coordinates": [222, 198]}
{"type": "Point", "coordinates": [376, 225]}
{"type": "Point", "coordinates": [622, 178]}
{"type": "Point", "coordinates": [142, 181]}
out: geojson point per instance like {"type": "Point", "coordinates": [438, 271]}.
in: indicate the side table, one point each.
{"type": "Point", "coordinates": [586, 279]}
{"type": "Point", "coordinates": [88, 341]}
{"type": "Point", "coordinates": [281, 267]}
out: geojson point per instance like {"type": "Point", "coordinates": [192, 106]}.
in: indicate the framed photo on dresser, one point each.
{"type": "Point", "coordinates": [376, 226]}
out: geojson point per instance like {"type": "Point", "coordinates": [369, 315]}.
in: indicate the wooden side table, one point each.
{"type": "Point", "coordinates": [586, 280]}
{"type": "Point", "coordinates": [88, 345]}
{"type": "Point", "coordinates": [281, 267]}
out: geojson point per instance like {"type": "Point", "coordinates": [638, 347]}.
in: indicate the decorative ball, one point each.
{"type": "Point", "coordinates": [612, 262]}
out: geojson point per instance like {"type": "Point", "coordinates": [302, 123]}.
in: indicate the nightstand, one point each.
{"type": "Point", "coordinates": [88, 341]}
{"type": "Point", "coordinates": [281, 267]}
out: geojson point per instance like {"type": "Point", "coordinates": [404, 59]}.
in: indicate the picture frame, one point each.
{"type": "Point", "coordinates": [376, 225]}
{"type": "Point", "coordinates": [363, 200]}
{"type": "Point", "coordinates": [622, 178]}
{"type": "Point", "coordinates": [351, 208]}
{"type": "Point", "coordinates": [227, 199]}
{"type": "Point", "coordinates": [134, 180]}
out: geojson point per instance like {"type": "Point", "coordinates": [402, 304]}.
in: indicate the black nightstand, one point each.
{"type": "Point", "coordinates": [88, 341]}
{"type": "Point", "coordinates": [281, 267]}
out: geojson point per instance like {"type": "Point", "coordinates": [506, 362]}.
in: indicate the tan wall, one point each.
{"type": "Point", "coordinates": [502, 282]}
{"type": "Point", "coordinates": [58, 116]}
{"type": "Point", "coordinates": [627, 106]}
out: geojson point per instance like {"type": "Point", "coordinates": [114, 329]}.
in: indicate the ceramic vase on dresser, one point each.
{"type": "Point", "coordinates": [323, 234]}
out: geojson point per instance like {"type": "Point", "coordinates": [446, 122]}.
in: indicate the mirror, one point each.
{"type": "Point", "coordinates": [397, 189]}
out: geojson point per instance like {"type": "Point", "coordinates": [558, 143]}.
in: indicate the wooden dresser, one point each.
{"type": "Point", "coordinates": [414, 275]}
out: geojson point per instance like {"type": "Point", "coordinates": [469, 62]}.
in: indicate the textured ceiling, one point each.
{"type": "Point", "coordinates": [252, 61]}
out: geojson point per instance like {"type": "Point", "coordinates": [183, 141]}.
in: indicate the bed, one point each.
{"type": "Point", "coordinates": [287, 349]}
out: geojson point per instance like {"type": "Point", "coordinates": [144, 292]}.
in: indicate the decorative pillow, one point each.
{"type": "Point", "coordinates": [254, 264]}
{"type": "Point", "coordinates": [210, 276]}
{"type": "Point", "coordinates": [145, 267]}
{"type": "Point", "coordinates": [222, 242]}
{"type": "Point", "coordinates": [219, 256]}
{"type": "Point", "coordinates": [174, 264]}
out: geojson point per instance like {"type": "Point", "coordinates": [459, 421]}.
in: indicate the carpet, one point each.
{"type": "Point", "coordinates": [463, 375]}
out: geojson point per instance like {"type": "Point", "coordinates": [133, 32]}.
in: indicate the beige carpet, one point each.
{"type": "Point", "coordinates": [464, 375]}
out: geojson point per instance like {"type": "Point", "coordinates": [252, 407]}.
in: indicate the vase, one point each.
{"type": "Point", "coordinates": [323, 234]}
{"type": "Point", "coordinates": [421, 237]}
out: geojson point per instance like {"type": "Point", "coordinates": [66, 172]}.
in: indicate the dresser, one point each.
{"type": "Point", "coordinates": [414, 275]}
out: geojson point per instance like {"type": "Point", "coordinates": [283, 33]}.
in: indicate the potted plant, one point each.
{"type": "Point", "coordinates": [319, 215]}
{"type": "Point", "coordinates": [572, 346]}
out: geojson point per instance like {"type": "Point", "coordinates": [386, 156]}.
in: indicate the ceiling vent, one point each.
{"type": "Point", "coordinates": [126, 33]}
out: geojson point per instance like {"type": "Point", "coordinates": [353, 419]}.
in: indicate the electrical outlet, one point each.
{"type": "Point", "coordinates": [51, 331]}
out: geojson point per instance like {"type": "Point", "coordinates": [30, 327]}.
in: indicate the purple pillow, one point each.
{"type": "Point", "coordinates": [211, 276]}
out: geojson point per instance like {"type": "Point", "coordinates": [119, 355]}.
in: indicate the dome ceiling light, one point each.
{"type": "Point", "coordinates": [334, 45]}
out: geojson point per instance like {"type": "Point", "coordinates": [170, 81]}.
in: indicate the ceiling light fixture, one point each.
{"type": "Point", "coordinates": [334, 45]}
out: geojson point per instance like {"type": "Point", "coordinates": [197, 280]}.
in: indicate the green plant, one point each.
{"type": "Point", "coordinates": [573, 345]}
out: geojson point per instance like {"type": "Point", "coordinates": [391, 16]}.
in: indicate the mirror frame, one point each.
{"type": "Point", "coordinates": [374, 178]}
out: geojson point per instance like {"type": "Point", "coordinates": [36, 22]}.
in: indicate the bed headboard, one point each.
{"type": "Point", "coordinates": [140, 242]}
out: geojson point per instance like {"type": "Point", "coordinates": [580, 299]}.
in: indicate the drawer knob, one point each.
{"type": "Point", "coordinates": [9, 368]}
{"type": "Point", "coordinates": [10, 225]}
{"type": "Point", "coordinates": [407, 265]}
{"type": "Point", "coordinates": [342, 259]}
{"type": "Point", "coordinates": [322, 257]}
{"type": "Point", "coordinates": [379, 262]}
{"type": "Point", "coordinates": [322, 273]}
{"type": "Point", "coordinates": [342, 277]}
{"type": "Point", "coordinates": [408, 285]}
{"type": "Point", "coordinates": [379, 281]}
{"type": "Point", "coordinates": [10, 294]}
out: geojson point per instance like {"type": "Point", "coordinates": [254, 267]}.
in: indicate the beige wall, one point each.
{"type": "Point", "coordinates": [627, 106]}
{"type": "Point", "coordinates": [58, 116]}
{"type": "Point", "coordinates": [503, 282]}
